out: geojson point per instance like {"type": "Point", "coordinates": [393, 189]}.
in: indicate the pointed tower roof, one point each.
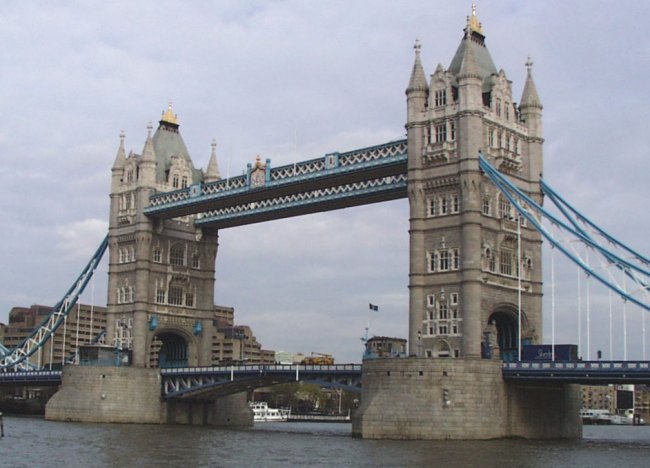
{"type": "Point", "coordinates": [418, 81]}
{"type": "Point", "coordinates": [168, 142]}
{"type": "Point", "coordinates": [474, 39]}
{"type": "Point", "coordinates": [120, 157]}
{"type": "Point", "coordinates": [212, 172]}
{"type": "Point", "coordinates": [529, 97]}
{"type": "Point", "coordinates": [468, 65]}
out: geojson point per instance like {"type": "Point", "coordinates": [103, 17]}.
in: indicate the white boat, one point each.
{"type": "Point", "coordinates": [262, 412]}
{"type": "Point", "coordinates": [595, 416]}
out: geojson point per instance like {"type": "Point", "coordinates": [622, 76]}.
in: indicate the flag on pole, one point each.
{"type": "Point", "coordinates": [374, 307]}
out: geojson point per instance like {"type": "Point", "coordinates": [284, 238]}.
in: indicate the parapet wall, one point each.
{"type": "Point", "coordinates": [424, 398]}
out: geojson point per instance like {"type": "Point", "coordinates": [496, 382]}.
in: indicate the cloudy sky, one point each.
{"type": "Point", "coordinates": [292, 80]}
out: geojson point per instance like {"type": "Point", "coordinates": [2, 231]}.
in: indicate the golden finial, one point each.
{"type": "Point", "coordinates": [169, 116]}
{"type": "Point", "coordinates": [472, 21]}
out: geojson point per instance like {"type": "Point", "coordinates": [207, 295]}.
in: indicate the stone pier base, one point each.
{"type": "Point", "coordinates": [424, 398]}
{"type": "Point", "coordinates": [132, 395]}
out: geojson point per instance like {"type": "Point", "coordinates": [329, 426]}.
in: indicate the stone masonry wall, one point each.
{"type": "Point", "coordinates": [107, 394]}
{"type": "Point", "coordinates": [420, 398]}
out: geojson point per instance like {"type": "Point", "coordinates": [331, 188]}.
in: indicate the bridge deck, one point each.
{"type": "Point", "coordinates": [178, 382]}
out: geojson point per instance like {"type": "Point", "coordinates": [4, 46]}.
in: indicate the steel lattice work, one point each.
{"type": "Point", "coordinates": [599, 255]}
{"type": "Point", "coordinates": [372, 167]}
{"type": "Point", "coordinates": [208, 382]}
{"type": "Point", "coordinates": [17, 358]}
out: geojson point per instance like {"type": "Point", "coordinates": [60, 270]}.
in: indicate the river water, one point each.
{"type": "Point", "coordinates": [34, 442]}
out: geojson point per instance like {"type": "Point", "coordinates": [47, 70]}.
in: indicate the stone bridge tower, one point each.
{"type": "Point", "coordinates": [161, 273]}
{"type": "Point", "coordinates": [464, 239]}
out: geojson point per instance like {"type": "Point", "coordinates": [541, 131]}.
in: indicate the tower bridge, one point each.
{"type": "Point", "coordinates": [471, 169]}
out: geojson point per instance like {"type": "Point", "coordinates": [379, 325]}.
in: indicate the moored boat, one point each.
{"type": "Point", "coordinates": [262, 412]}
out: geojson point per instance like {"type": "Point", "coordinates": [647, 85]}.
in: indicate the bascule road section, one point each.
{"type": "Point", "coordinates": [210, 382]}
{"type": "Point", "coordinates": [334, 181]}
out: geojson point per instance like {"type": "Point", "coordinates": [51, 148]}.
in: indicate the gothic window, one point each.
{"type": "Point", "coordinates": [441, 133]}
{"type": "Point", "coordinates": [455, 203]}
{"type": "Point", "coordinates": [455, 259]}
{"type": "Point", "coordinates": [506, 108]}
{"type": "Point", "coordinates": [492, 263]}
{"type": "Point", "coordinates": [491, 143]}
{"type": "Point", "coordinates": [129, 175]}
{"type": "Point", "coordinates": [177, 255]}
{"type": "Point", "coordinates": [443, 330]}
{"type": "Point", "coordinates": [453, 298]}
{"type": "Point", "coordinates": [444, 260]}
{"type": "Point", "coordinates": [441, 98]}
{"type": "Point", "coordinates": [430, 314]}
{"type": "Point", "coordinates": [127, 201]}
{"type": "Point", "coordinates": [452, 131]}
{"type": "Point", "coordinates": [433, 205]}
{"type": "Point", "coordinates": [498, 109]}
{"type": "Point", "coordinates": [160, 295]}
{"type": "Point", "coordinates": [444, 205]}
{"type": "Point", "coordinates": [189, 299]}
{"type": "Point", "coordinates": [487, 208]}
{"type": "Point", "coordinates": [184, 182]}
{"type": "Point", "coordinates": [443, 311]}
{"type": "Point", "coordinates": [175, 181]}
{"type": "Point", "coordinates": [175, 295]}
{"type": "Point", "coordinates": [195, 261]}
{"type": "Point", "coordinates": [157, 255]}
{"type": "Point", "coordinates": [120, 255]}
{"type": "Point", "coordinates": [431, 300]}
{"type": "Point", "coordinates": [131, 293]}
{"type": "Point", "coordinates": [505, 263]}
{"type": "Point", "coordinates": [505, 208]}
{"type": "Point", "coordinates": [428, 135]}
{"type": "Point", "coordinates": [454, 329]}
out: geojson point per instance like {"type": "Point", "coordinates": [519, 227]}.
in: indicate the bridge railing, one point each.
{"type": "Point", "coordinates": [261, 368]}
{"type": "Point", "coordinates": [580, 365]}
{"type": "Point", "coordinates": [297, 172]}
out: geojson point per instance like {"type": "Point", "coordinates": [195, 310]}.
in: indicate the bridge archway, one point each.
{"type": "Point", "coordinates": [442, 348]}
{"type": "Point", "coordinates": [505, 320]}
{"type": "Point", "coordinates": [170, 348]}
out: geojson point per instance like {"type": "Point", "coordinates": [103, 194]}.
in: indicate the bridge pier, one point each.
{"type": "Point", "coordinates": [467, 398]}
{"type": "Point", "coordinates": [133, 395]}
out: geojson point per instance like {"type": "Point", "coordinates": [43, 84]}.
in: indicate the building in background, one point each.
{"type": "Point", "coordinates": [230, 343]}
{"type": "Point", "coordinates": [81, 327]}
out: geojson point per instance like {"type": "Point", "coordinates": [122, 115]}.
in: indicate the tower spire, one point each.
{"type": "Point", "coordinates": [212, 172]}
{"type": "Point", "coordinates": [418, 81]}
{"type": "Point", "coordinates": [473, 23]}
{"type": "Point", "coordinates": [120, 157]}
{"type": "Point", "coordinates": [529, 97]}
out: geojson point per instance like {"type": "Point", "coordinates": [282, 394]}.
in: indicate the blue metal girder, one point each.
{"type": "Point", "coordinates": [365, 164]}
{"type": "Point", "coordinates": [301, 203]}
{"type": "Point", "coordinates": [212, 382]}
{"type": "Point", "coordinates": [31, 378]}
{"type": "Point", "coordinates": [580, 372]}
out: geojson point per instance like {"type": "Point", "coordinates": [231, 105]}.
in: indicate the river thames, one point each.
{"type": "Point", "coordinates": [34, 442]}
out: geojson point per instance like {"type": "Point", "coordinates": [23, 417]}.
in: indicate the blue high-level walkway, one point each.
{"type": "Point", "coordinates": [334, 181]}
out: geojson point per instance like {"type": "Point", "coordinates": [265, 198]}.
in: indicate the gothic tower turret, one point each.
{"type": "Point", "coordinates": [464, 265]}
{"type": "Point", "coordinates": [161, 273]}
